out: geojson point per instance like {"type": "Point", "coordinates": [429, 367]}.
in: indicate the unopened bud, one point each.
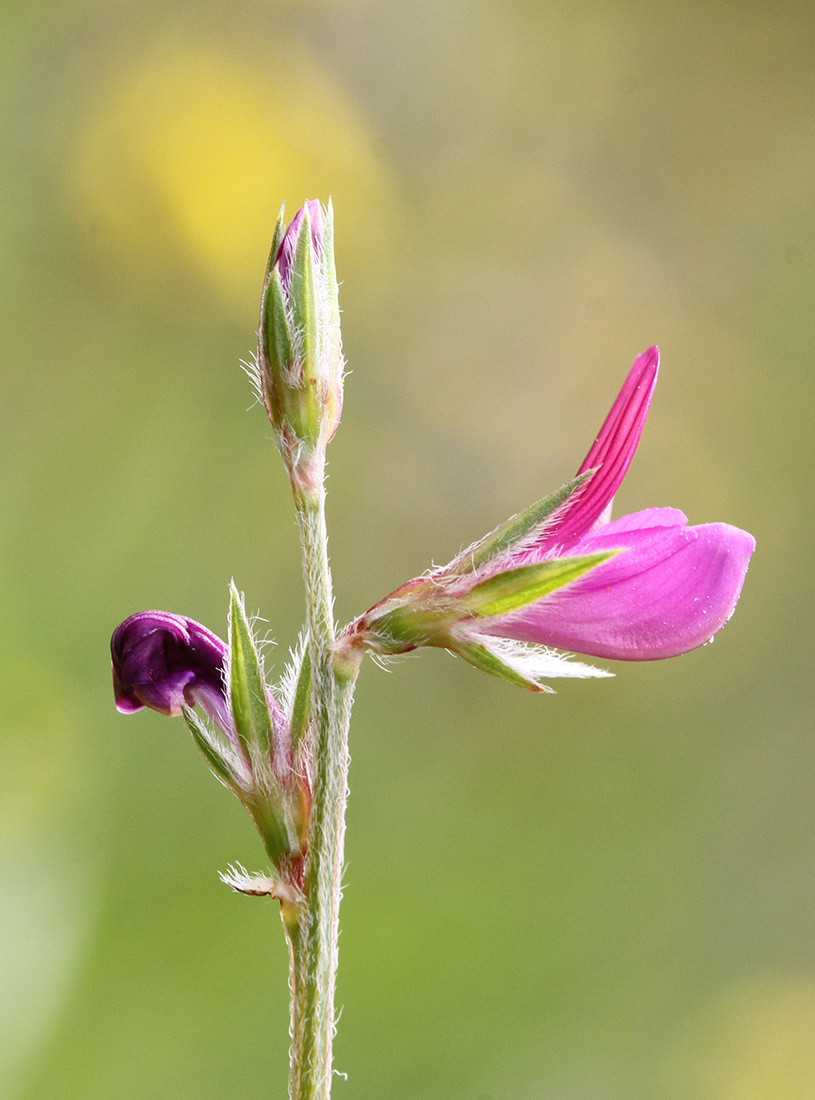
{"type": "Point", "coordinates": [300, 345]}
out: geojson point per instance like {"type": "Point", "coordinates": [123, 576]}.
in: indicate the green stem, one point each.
{"type": "Point", "coordinates": [312, 927]}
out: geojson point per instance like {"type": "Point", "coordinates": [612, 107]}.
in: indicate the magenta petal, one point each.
{"type": "Point", "coordinates": [288, 246]}
{"type": "Point", "coordinates": [669, 591]}
{"type": "Point", "coordinates": [613, 449]}
{"type": "Point", "coordinates": [611, 532]}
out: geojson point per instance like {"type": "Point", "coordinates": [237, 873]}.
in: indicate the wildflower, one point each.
{"type": "Point", "coordinates": [299, 346]}
{"type": "Point", "coordinates": [562, 575]}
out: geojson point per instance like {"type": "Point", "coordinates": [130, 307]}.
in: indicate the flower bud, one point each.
{"type": "Point", "coordinates": [300, 346]}
{"type": "Point", "coordinates": [165, 661]}
{"type": "Point", "coordinates": [171, 664]}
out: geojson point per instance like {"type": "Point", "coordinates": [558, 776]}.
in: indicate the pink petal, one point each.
{"type": "Point", "coordinates": [613, 449]}
{"type": "Point", "coordinates": [288, 246]}
{"type": "Point", "coordinates": [670, 590]}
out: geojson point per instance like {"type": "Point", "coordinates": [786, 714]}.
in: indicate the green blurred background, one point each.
{"type": "Point", "coordinates": [606, 893]}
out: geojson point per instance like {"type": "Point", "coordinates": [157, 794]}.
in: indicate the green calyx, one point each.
{"type": "Point", "coordinates": [421, 616]}
{"type": "Point", "coordinates": [426, 612]}
{"type": "Point", "coordinates": [277, 826]}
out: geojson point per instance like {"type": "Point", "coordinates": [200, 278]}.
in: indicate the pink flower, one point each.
{"type": "Point", "coordinates": [643, 587]}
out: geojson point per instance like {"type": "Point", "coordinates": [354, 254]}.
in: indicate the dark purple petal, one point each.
{"type": "Point", "coordinates": [161, 661]}
{"type": "Point", "coordinates": [612, 451]}
{"type": "Point", "coordinates": [285, 252]}
{"type": "Point", "coordinates": [670, 590]}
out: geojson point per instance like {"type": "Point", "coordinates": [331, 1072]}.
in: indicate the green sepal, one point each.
{"type": "Point", "coordinates": [277, 344]}
{"type": "Point", "coordinates": [218, 763]}
{"type": "Point", "coordinates": [301, 704]}
{"type": "Point", "coordinates": [484, 659]}
{"type": "Point", "coordinates": [329, 270]}
{"type": "Point", "coordinates": [505, 536]}
{"type": "Point", "coordinates": [277, 237]}
{"type": "Point", "coordinates": [513, 589]}
{"type": "Point", "coordinates": [305, 311]}
{"type": "Point", "coordinates": [247, 688]}
{"type": "Point", "coordinates": [329, 279]}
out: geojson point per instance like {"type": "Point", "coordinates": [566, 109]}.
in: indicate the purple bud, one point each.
{"type": "Point", "coordinates": [161, 661]}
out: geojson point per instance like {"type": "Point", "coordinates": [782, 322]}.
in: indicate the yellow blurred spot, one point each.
{"type": "Point", "coordinates": [191, 152]}
{"type": "Point", "coordinates": [760, 1046]}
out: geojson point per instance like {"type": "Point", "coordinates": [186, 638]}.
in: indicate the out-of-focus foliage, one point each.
{"type": "Point", "coordinates": [605, 893]}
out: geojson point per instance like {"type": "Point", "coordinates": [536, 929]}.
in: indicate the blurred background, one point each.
{"type": "Point", "coordinates": [601, 894]}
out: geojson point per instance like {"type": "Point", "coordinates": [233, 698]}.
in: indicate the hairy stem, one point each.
{"type": "Point", "coordinates": [312, 927]}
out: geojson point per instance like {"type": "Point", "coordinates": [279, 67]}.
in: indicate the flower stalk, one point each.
{"type": "Point", "coordinates": [312, 927]}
